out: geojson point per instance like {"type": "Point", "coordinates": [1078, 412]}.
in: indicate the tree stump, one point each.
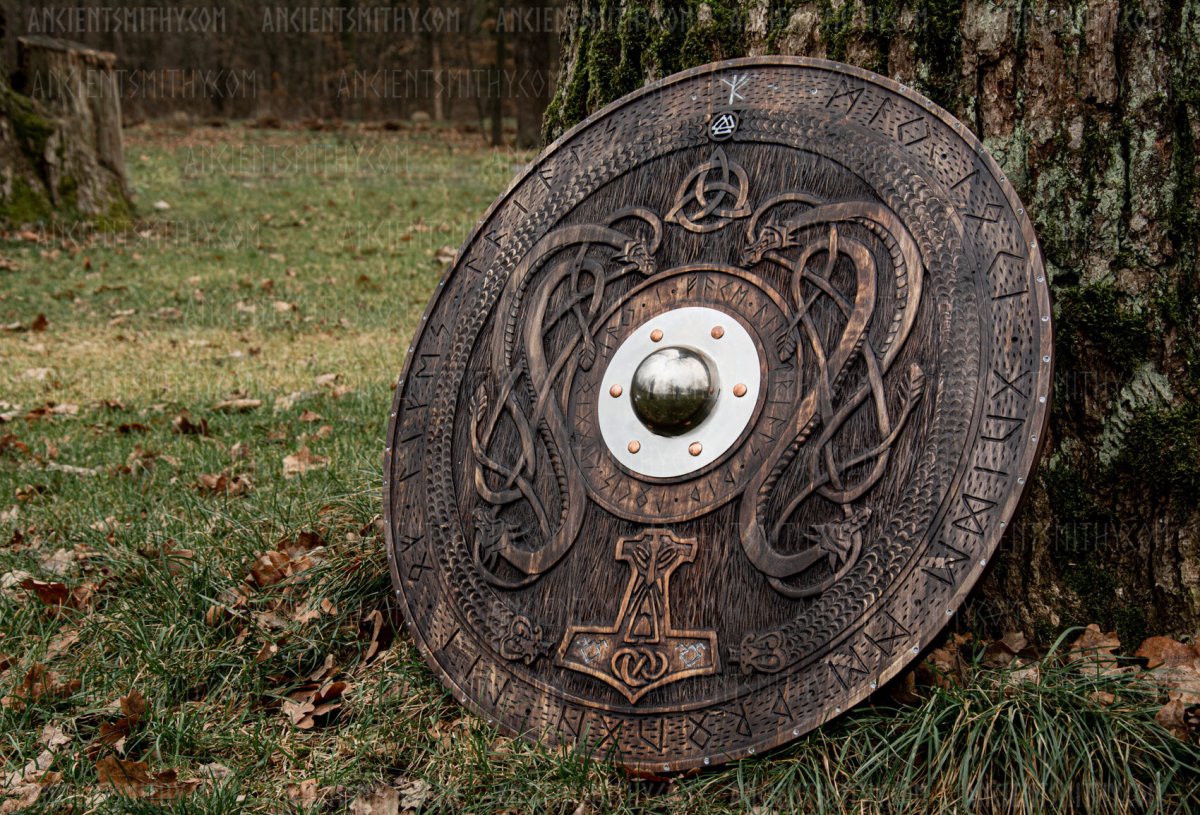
{"type": "Point", "coordinates": [60, 135]}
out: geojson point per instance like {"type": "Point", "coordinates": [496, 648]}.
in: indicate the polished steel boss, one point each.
{"type": "Point", "coordinates": [718, 415]}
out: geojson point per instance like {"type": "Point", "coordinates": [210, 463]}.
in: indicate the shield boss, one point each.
{"type": "Point", "coordinates": [718, 415]}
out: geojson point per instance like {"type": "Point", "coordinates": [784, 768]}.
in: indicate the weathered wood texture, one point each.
{"type": "Point", "coordinates": [1092, 110]}
{"type": "Point", "coordinates": [867, 298]}
{"type": "Point", "coordinates": [60, 133]}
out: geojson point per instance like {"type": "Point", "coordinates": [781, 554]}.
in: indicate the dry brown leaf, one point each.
{"type": "Point", "coordinates": [1001, 653]}
{"type": "Point", "coordinates": [59, 595]}
{"type": "Point", "coordinates": [1095, 649]}
{"type": "Point", "coordinates": [133, 779]}
{"type": "Point", "coordinates": [269, 568]}
{"type": "Point", "coordinates": [1175, 665]}
{"type": "Point", "coordinates": [51, 409]}
{"type": "Point", "coordinates": [134, 705]}
{"type": "Point", "coordinates": [224, 484]}
{"type": "Point", "coordinates": [381, 633]}
{"type": "Point", "coordinates": [183, 425]}
{"type": "Point", "coordinates": [302, 461]}
{"type": "Point", "coordinates": [305, 793]}
{"type": "Point", "coordinates": [414, 794]}
{"type": "Point", "coordinates": [327, 380]}
{"type": "Point", "coordinates": [237, 404]}
{"type": "Point", "coordinates": [216, 614]}
{"type": "Point", "coordinates": [310, 416]}
{"type": "Point", "coordinates": [40, 323]}
{"type": "Point", "coordinates": [21, 788]}
{"type": "Point", "coordinates": [379, 801]}
{"type": "Point", "coordinates": [304, 542]}
{"type": "Point", "coordinates": [53, 736]}
{"type": "Point", "coordinates": [39, 683]}
{"type": "Point", "coordinates": [10, 442]}
{"type": "Point", "coordinates": [304, 707]}
{"type": "Point", "coordinates": [61, 643]}
{"type": "Point", "coordinates": [1172, 717]}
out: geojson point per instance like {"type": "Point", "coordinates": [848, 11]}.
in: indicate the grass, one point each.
{"type": "Point", "coordinates": [178, 312]}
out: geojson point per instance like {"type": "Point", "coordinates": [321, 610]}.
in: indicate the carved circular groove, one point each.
{"type": "Point", "coordinates": [847, 269]}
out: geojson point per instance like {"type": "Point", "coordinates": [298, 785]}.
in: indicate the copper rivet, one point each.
{"type": "Point", "coordinates": [656, 335]}
{"type": "Point", "coordinates": [634, 446]}
{"type": "Point", "coordinates": [717, 332]}
{"type": "Point", "coordinates": [695, 448]}
{"type": "Point", "coordinates": [739, 390]}
{"type": "Point", "coordinates": [615, 391]}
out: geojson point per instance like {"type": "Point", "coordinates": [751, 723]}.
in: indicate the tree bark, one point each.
{"type": "Point", "coordinates": [532, 51]}
{"type": "Point", "coordinates": [1092, 110]}
{"type": "Point", "coordinates": [66, 131]}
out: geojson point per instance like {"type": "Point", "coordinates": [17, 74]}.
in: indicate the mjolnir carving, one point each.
{"type": "Point", "coordinates": [718, 415]}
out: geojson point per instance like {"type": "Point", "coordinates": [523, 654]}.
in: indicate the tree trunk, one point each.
{"type": "Point", "coordinates": [1091, 109]}
{"type": "Point", "coordinates": [532, 50]}
{"type": "Point", "coordinates": [68, 131]}
{"type": "Point", "coordinates": [496, 86]}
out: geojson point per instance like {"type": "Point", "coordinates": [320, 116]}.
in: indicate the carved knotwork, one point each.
{"type": "Point", "coordinates": [584, 261]}
{"type": "Point", "coordinates": [809, 246]}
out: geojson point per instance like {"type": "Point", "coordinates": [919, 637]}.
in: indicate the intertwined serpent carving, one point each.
{"type": "Point", "coordinates": [794, 231]}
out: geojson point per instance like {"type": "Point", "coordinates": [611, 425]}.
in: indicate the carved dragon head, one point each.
{"type": "Point", "coordinates": [636, 255]}
{"type": "Point", "coordinates": [769, 238]}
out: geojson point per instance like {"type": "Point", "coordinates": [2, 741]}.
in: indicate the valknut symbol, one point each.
{"type": "Point", "coordinates": [641, 651]}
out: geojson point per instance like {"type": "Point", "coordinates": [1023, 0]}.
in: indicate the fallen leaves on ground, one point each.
{"type": "Point", "coordinates": [183, 425]}
{"type": "Point", "coordinates": [39, 683]}
{"type": "Point", "coordinates": [237, 404]}
{"type": "Point", "coordinates": [381, 633]}
{"type": "Point", "coordinates": [9, 442]}
{"type": "Point", "coordinates": [50, 410]}
{"type": "Point", "coordinates": [302, 461]}
{"type": "Point", "coordinates": [1096, 650]}
{"type": "Point", "coordinates": [414, 794]}
{"type": "Point", "coordinates": [224, 484]}
{"type": "Point", "coordinates": [289, 557]}
{"type": "Point", "coordinates": [379, 801]}
{"type": "Point", "coordinates": [20, 789]}
{"type": "Point", "coordinates": [305, 793]}
{"type": "Point", "coordinates": [307, 705]}
{"type": "Point", "coordinates": [133, 779]}
{"type": "Point", "coordinates": [133, 706]}
{"type": "Point", "coordinates": [59, 596]}
{"type": "Point", "coordinates": [1175, 666]}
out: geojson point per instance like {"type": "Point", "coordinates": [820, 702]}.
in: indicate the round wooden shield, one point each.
{"type": "Point", "coordinates": [718, 415]}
